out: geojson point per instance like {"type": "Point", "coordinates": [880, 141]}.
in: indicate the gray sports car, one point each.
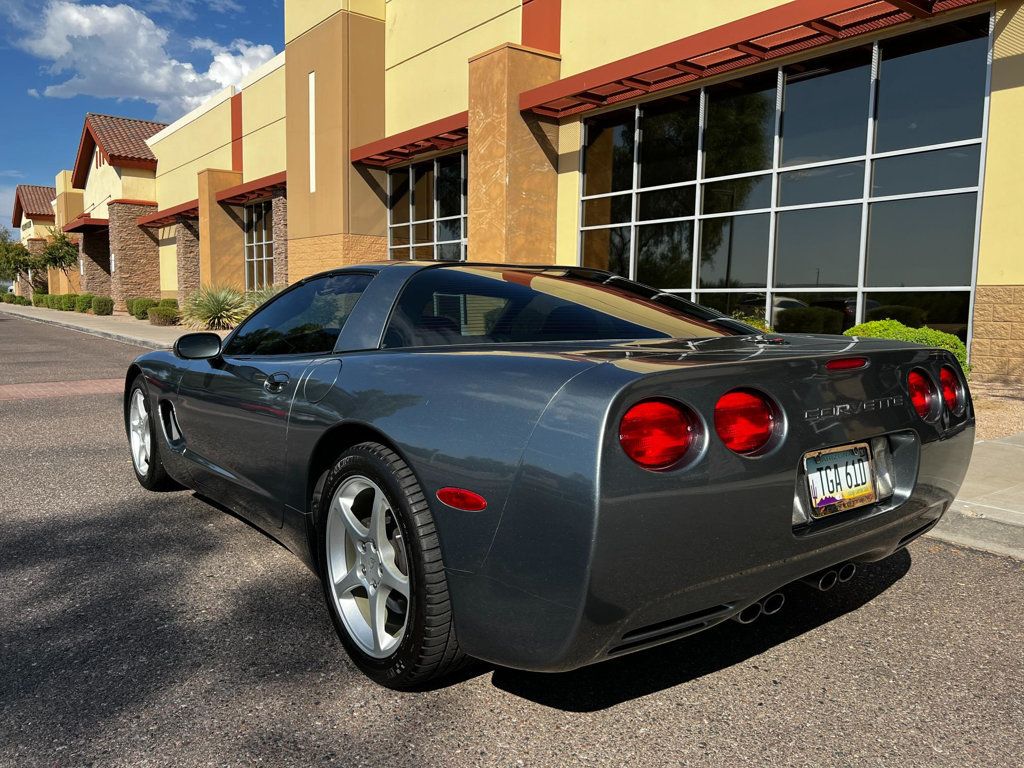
{"type": "Point", "coordinates": [544, 467]}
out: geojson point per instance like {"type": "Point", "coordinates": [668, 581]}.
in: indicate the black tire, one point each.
{"type": "Point", "coordinates": [429, 650]}
{"type": "Point", "coordinates": [156, 478]}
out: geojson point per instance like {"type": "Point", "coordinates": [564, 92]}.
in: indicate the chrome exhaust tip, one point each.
{"type": "Point", "coordinates": [748, 615]}
{"type": "Point", "coordinates": [822, 581]}
{"type": "Point", "coordinates": [846, 572]}
{"type": "Point", "coordinates": [773, 604]}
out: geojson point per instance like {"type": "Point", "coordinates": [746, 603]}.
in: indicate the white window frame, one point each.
{"type": "Point", "coordinates": [435, 219]}
{"type": "Point", "coordinates": [865, 199]}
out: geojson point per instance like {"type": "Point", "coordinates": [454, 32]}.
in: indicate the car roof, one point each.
{"type": "Point", "coordinates": [420, 264]}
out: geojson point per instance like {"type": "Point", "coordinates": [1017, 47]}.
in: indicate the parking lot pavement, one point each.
{"type": "Point", "coordinates": [152, 629]}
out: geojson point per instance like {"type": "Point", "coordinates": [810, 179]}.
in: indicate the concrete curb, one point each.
{"type": "Point", "coordinates": [966, 526]}
{"type": "Point", "coordinates": [124, 338]}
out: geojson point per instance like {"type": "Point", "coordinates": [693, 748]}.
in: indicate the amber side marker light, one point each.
{"type": "Point", "coordinates": [460, 498]}
{"type": "Point", "coordinates": [846, 363]}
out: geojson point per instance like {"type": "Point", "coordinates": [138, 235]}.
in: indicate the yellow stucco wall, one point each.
{"type": "Point", "coordinates": [109, 182]}
{"type": "Point", "coordinates": [303, 15]}
{"type": "Point", "coordinates": [168, 260]}
{"type": "Point", "coordinates": [263, 126]}
{"type": "Point", "coordinates": [595, 32]}
{"type": "Point", "coordinates": [198, 143]}
{"type": "Point", "coordinates": [32, 228]}
{"type": "Point", "coordinates": [570, 136]}
{"type": "Point", "coordinates": [427, 50]}
{"type": "Point", "coordinates": [1002, 226]}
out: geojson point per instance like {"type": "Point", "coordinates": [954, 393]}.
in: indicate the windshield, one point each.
{"type": "Point", "coordinates": [494, 305]}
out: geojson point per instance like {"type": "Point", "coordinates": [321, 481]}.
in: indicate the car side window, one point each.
{"type": "Point", "coordinates": [305, 320]}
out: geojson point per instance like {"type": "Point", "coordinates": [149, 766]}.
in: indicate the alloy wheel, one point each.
{"type": "Point", "coordinates": [368, 566]}
{"type": "Point", "coordinates": [139, 432]}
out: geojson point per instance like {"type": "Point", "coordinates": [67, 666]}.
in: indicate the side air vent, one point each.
{"type": "Point", "coordinates": [671, 628]}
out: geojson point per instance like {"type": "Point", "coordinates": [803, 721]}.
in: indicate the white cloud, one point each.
{"type": "Point", "coordinates": [116, 51]}
{"type": "Point", "coordinates": [11, 175]}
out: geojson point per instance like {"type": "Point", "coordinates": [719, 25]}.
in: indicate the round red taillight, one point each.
{"type": "Point", "coordinates": [922, 393]}
{"type": "Point", "coordinates": [745, 420]}
{"type": "Point", "coordinates": [657, 433]}
{"type": "Point", "coordinates": [952, 390]}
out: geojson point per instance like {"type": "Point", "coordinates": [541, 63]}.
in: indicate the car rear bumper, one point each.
{"type": "Point", "coordinates": [652, 572]}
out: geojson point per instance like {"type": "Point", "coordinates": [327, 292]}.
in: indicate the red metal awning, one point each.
{"type": "Point", "coordinates": [446, 133]}
{"type": "Point", "coordinates": [86, 224]}
{"type": "Point", "coordinates": [257, 189]}
{"type": "Point", "coordinates": [791, 28]}
{"type": "Point", "coordinates": [169, 216]}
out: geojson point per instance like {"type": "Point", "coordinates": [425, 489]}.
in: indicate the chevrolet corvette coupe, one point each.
{"type": "Point", "coordinates": [545, 467]}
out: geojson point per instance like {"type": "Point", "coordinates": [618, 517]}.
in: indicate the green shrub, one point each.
{"type": "Point", "coordinates": [39, 299]}
{"type": "Point", "coordinates": [84, 302]}
{"type": "Point", "coordinates": [130, 304]}
{"type": "Point", "coordinates": [68, 301]}
{"type": "Point", "coordinates": [809, 320]}
{"type": "Point", "coordinates": [140, 308]}
{"type": "Point", "coordinates": [755, 320]}
{"type": "Point", "coordinates": [257, 297]}
{"type": "Point", "coordinates": [6, 297]}
{"type": "Point", "coordinates": [172, 303]}
{"type": "Point", "coordinates": [163, 315]}
{"type": "Point", "coordinates": [102, 305]}
{"type": "Point", "coordinates": [929, 337]}
{"type": "Point", "coordinates": [215, 308]}
{"type": "Point", "coordinates": [22, 301]}
{"type": "Point", "coordinates": [911, 316]}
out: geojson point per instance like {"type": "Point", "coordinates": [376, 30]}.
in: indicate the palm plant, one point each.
{"type": "Point", "coordinates": [215, 308]}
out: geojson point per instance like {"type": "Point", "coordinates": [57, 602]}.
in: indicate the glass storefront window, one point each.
{"type": "Point", "coordinates": [427, 209]}
{"type": "Point", "coordinates": [759, 184]}
{"type": "Point", "coordinates": [735, 303]}
{"type": "Point", "coordinates": [259, 245]}
{"type": "Point", "coordinates": [945, 311]}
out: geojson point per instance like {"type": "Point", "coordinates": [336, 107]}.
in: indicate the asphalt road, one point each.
{"type": "Point", "coordinates": [143, 629]}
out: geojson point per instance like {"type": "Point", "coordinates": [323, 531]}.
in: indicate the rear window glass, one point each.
{"type": "Point", "coordinates": [491, 305]}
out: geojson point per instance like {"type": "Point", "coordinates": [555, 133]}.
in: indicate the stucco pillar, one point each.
{"type": "Point", "coordinates": [186, 243]}
{"type": "Point", "coordinates": [221, 232]}
{"type": "Point", "coordinates": [280, 216]}
{"type": "Point", "coordinates": [95, 254]}
{"type": "Point", "coordinates": [513, 159]}
{"type": "Point", "coordinates": [136, 252]}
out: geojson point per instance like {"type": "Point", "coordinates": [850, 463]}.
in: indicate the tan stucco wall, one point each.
{"type": "Point", "coordinates": [263, 126]}
{"type": "Point", "coordinates": [168, 261]}
{"type": "Point", "coordinates": [568, 212]}
{"type": "Point", "coordinates": [1002, 226]}
{"type": "Point", "coordinates": [596, 32]}
{"type": "Point", "coordinates": [200, 143]}
{"type": "Point", "coordinates": [427, 49]}
{"type": "Point", "coordinates": [35, 228]}
{"type": "Point", "coordinates": [221, 236]}
{"type": "Point", "coordinates": [302, 15]}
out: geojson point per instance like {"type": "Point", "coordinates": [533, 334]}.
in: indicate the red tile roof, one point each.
{"type": "Point", "coordinates": [121, 141]}
{"type": "Point", "coordinates": [32, 201]}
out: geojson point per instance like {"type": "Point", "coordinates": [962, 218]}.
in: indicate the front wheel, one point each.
{"type": "Point", "coordinates": [381, 569]}
{"type": "Point", "coordinates": [143, 442]}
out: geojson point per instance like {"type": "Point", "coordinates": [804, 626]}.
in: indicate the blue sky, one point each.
{"type": "Point", "coordinates": [150, 59]}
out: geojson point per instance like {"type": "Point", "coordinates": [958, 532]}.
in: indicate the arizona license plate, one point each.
{"type": "Point", "coordinates": [840, 479]}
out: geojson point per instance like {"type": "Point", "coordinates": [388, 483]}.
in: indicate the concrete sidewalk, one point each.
{"type": "Point", "coordinates": [989, 512]}
{"type": "Point", "coordinates": [122, 328]}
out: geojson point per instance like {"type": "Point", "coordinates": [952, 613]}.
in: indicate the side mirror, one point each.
{"type": "Point", "coordinates": [198, 346]}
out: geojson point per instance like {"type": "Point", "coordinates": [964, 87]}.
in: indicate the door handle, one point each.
{"type": "Point", "coordinates": [276, 382]}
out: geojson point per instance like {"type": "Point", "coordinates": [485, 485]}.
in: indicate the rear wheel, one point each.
{"type": "Point", "coordinates": [143, 442]}
{"type": "Point", "coordinates": [381, 569]}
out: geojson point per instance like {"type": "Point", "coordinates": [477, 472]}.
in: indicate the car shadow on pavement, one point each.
{"type": "Point", "coordinates": [613, 682]}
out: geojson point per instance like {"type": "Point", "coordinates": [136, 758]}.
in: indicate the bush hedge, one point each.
{"type": "Point", "coordinates": [102, 305]}
{"type": "Point", "coordinates": [39, 299]}
{"type": "Point", "coordinates": [929, 337]}
{"type": "Point", "coordinates": [84, 302]}
{"type": "Point", "coordinates": [914, 317]}
{"type": "Point", "coordinates": [22, 301]}
{"type": "Point", "coordinates": [172, 303]}
{"type": "Point", "coordinates": [140, 308]}
{"type": "Point", "coordinates": [7, 298]}
{"type": "Point", "coordinates": [68, 301]}
{"type": "Point", "coordinates": [163, 315]}
{"type": "Point", "coordinates": [129, 304]}
{"type": "Point", "coordinates": [809, 320]}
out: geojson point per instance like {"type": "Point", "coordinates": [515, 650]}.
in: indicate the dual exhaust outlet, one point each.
{"type": "Point", "coordinates": [822, 581]}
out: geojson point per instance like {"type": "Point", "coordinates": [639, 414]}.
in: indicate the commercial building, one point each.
{"type": "Point", "coordinates": [849, 155]}
{"type": "Point", "coordinates": [33, 217]}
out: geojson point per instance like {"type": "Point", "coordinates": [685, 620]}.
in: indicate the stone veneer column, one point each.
{"type": "Point", "coordinates": [136, 253]}
{"type": "Point", "coordinates": [94, 250]}
{"type": "Point", "coordinates": [997, 343]}
{"type": "Point", "coordinates": [513, 159]}
{"type": "Point", "coordinates": [186, 240]}
{"type": "Point", "coordinates": [280, 223]}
